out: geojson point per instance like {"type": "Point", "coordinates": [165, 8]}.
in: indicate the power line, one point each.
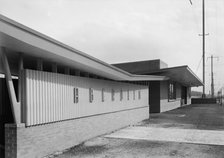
{"type": "Point", "coordinates": [198, 65]}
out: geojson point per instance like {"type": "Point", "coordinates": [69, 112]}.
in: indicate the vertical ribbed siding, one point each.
{"type": "Point", "coordinates": [48, 97]}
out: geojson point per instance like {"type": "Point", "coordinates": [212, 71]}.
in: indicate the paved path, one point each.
{"type": "Point", "coordinates": [208, 137]}
{"type": "Point", "coordinates": [200, 124]}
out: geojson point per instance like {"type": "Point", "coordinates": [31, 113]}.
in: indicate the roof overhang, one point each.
{"type": "Point", "coordinates": [18, 38]}
{"type": "Point", "coordinates": [181, 74]}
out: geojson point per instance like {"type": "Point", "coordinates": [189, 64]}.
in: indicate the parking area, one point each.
{"type": "Point", "coordinates": [191, 131]}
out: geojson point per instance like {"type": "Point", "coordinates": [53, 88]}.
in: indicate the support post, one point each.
{"type": "Point", "coordinates": [16, 109]}
{"type": "Point", "coordinates": [20, 68]}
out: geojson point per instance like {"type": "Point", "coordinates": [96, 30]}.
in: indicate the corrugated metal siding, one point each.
{"type": "Point", "coordinates": [48, 97]}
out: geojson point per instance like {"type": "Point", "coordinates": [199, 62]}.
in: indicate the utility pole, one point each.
{"type": "Point", "coordinates": [203, 45]}
{"type": "Point", "coordinates": [212, 77]}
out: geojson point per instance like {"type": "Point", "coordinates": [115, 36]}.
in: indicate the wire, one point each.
{"type": "Point", "coordinates": [198, 65]}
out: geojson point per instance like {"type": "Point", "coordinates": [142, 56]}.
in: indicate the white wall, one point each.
{"type": "Point", "coordinates": [165, 104]}
{"type": "Point", "coordinates": [48, 97]}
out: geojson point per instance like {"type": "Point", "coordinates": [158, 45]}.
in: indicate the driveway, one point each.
{"type": "Point", "coordinates": [191, 131]}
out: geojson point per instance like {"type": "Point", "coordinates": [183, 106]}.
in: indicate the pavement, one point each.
{"type": "Point", "coordinates": [195, 116]}
{"type": "Point", "coordinates": [192, 131]}
{"type": "Point", "coordinates": [168, 134]}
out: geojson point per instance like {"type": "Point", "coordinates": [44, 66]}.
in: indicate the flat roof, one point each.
{"type": "Point", "coordinates": [182, 74]}
{"type": "Point", "coordinates": [19, 38]}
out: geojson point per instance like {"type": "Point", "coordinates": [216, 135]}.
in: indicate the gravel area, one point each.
{"type": "Point", "coordinates": [127, 148]}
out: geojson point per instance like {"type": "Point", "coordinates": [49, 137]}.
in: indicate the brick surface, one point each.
{"type": "Point", "coordinates": [39, 141]}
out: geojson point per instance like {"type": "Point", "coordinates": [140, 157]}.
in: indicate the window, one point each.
{"type": "Point", "coordinates": [133, 94]}
{"type": "Point", "coordinates": [90, 95]}
{"type": "Point", "coordinates": [76, 95]}
{"type": "Point", "coordinates": [128, 94]}
{"type": "Point", "coordinates": [121, 95]}
{"type": "Point", "coordinates": [172, 91]}
{"type": "Point", "coordinates": [139, 94]}
{"type": "Point", "coordinates": [102, 94]}
{"type": "Point", "coordinates": [112, 94]}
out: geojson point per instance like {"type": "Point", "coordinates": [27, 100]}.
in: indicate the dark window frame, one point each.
{"type": "Point", "coordinates": [103, 97]}
{"type": "Point", "coordinates": [76, 95]}
{"type": "Point", "coordinates": [91, 95]}
{"type": "Point", "coordinates": [139, 95]}
{"type": "Point", "coordinates": [172, 91]}
{"type": "Point", "coordinates": [112, 94]}
{"type": "Point", "coordinates": [128, 96]}
{"type": "Point", "coordinates": [121, 94]}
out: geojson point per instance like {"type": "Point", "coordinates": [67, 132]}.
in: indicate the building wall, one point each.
{"type": "Point", "coordinates": [49, 97]}
{"type": "Point", "coordinates": [39, 141]}
{"type": "Point", "coordinates": [165, 104]}
{"type": "Point", "coordinates": [140, 67]}
{"type": "Point", "coordinates": [53, 122]}
{"type": "Point", "coordinates": [158, 97]}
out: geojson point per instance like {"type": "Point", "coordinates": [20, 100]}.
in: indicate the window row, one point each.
{"type": "Point", "coordinates": [91, 95]}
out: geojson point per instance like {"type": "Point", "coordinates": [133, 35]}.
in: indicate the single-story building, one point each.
{"type": "Point", "coordinates": [167, 94]}
{"type": "Point", "coordinates": [53, 97]}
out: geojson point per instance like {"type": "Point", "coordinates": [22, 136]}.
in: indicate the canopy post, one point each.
{"type": "Point", "coordinates": [16, 110]}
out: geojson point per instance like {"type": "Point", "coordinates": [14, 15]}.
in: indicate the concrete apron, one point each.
{"type": "Point", "coordinates": [208, 137]}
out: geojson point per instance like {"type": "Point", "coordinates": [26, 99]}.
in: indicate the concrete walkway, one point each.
{"type": "Point", "coordinates": [208, 137]}
{"type": "Point", "coordinates": [200, 124]}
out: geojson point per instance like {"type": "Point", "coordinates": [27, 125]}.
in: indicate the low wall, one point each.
{"type": "Point", "coordinates": [203, 101]}
{"type": "Point", "coordinates": [39, 141]}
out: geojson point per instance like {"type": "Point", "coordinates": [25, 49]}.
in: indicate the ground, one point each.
{"type": "Point", "coordinates": [200, 120]}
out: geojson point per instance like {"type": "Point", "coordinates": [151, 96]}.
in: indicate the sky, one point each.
{"type": "Point", "coordinates": [131, 30]}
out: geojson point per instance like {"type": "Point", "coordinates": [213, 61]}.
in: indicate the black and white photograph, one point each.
{"type": "Point", "coordinates": [111, 79]}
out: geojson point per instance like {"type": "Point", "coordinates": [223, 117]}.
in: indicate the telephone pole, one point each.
{"type": "Point", "coordinates": [203, 45]}
{"type": "Point", "coordinates": [212, 77]}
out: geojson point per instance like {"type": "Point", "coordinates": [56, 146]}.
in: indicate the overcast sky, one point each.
{"type": "Point", "coordinates": [130, 30]}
